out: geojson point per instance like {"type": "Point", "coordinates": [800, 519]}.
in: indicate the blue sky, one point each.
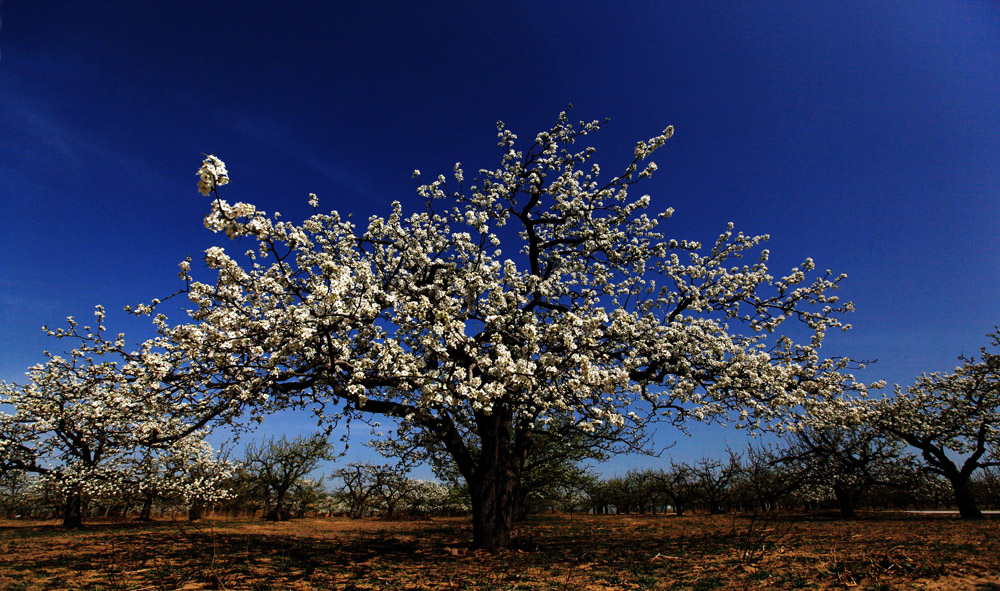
{"type": "Point", "coordinates": [864, 135]}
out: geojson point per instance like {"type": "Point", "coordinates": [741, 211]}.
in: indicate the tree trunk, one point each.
{"type": "Point", "coordinates": [73, 510]}
{"type": "Point", "coordinates": [147, 509]}
{"type": "Point", "coordinates": [278, 512]}
{"type": "Point", "coordinates": [846, 502]}
{"type": "Point", "coordinates": [493, 512]}
{"type": "Point", "coordinates": [195, 510]}
{"type": "Point", "coordinates": [493, 484]}
{"type": "Point", "coordinates": [964, 498]}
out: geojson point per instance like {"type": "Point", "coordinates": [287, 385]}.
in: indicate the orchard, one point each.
{"type": "Point", "coordinates": [529, 317]}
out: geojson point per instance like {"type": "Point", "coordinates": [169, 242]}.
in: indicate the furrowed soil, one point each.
{"type": "Point", "coordinates": [554, 552]}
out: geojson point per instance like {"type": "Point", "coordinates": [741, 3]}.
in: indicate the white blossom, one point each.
{"type": "Point", "coordinates": [211, 175]}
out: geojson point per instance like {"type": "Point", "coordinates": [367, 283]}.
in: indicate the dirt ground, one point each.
{"type": "Point", "coordinates": [555, 552]}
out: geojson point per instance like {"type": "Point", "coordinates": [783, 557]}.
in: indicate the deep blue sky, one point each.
{"type": "Point", "coordinates": [865, 135]}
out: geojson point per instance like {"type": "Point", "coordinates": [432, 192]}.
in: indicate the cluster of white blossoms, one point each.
{"type": "Point", "coordinates": [187, 470]}
{"type": "Point", "coordinates": [212, 175]}
{"type": "Point", "coordinates": [92, 422]}
{"type": "Point", "coordinates": [958, 411]}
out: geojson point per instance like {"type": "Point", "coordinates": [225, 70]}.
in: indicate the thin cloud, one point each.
{"type": "Point", "coordinates": [276, 136]}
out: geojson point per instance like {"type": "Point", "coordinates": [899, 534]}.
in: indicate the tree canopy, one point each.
{"type": "Point", "coordinates": [540, 293]}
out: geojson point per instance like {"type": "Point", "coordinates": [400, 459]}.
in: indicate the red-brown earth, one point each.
{"type": "Point", "coordinates": [554, 552]}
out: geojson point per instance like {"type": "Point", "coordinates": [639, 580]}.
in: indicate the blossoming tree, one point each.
{"type": "Point", "coordinates": [953, 420]}
{"type": "Point", "coordinates": [542, 293]}
{"type": "Point", "coordinates": [84, 421]}
{"type": "Point", "coordinates": [187, 471]}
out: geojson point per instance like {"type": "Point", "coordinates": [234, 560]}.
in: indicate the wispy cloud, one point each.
{"type": "Point", "coordinates": [33, 132]}
{"type": "Point", "coordinates": [279, 137]}
{"type": "Point", "coordinates": [43, 130]}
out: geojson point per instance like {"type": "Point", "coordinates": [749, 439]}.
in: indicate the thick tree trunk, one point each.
{"type": "Point", "coordinates": [845, 501]}
{"type": "Point", "coordinates": [964, 498]}
{"type": "Point", "coordinates": [493, 484]}
{"type": "Point", "coordinates": [959, 478]}
{"type": "Point", "coordinates": [277, 512]}
{"type": "Point", "coordinates": [195, 510]}
{"type": "Point", "coordinates": [73, 510]}
{"type": "Point", "coordinates": [493, 513]}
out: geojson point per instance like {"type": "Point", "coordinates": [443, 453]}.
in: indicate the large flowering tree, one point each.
{"type": "Point", "coordinates": [952, 419]}
{"type": "Point", "coordinates": [541, 294]}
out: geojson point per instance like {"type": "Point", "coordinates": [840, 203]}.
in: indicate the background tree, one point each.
{"type": "Point", "coordinates": [188, 471]}
{"type": "Point", "coordinates": [430, 497]}
{"type": "Point", "coordinates": [307, 494]}
{"type": "Point", "coordinates": [764, 482]}
{"type": "Point", "coordinates": [913, 487]}
{"type": "Point", "coordinates": [640, 491]}
{"type": "Point", "coordinates": [245, 494]}
{"type": "Point", "coordinates": [946, 414]}
{"type": "Point", "coordinates": [540, 293]}
{"type": "Point", "coordinates": [848, 460]}
{"type": "Point", "coordinates": [598, 494]}
{"type": "Point", "coordinates": [551, 485]}
{"type": "Point", "coordinates": [392, 488]}
{"type": "Point", "coordinates": [276, 465]}
{"type": "Point", "coordinates": [18, 493]}
{"type": "Point", "coordinates": [68, 429]}
{"type": "Point", "coordinates": [714, 481]}
{"type": "Point", "coordinates": [77, 421]}
{"type": "Point", "coordinates": [986, 485]}
{"type": "Point", "coordinates": [83, 417]}
{"type": "Point", "coordinates": [677, 484]}
{"type": "Point", "coordinates": [358, 487]}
